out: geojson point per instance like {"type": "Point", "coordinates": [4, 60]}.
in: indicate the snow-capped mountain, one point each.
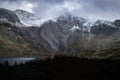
{"type": "Point", "coordinates": [65, 34]}
{"type": "Point", "coordinates": [27, 18]}
{"type": "Point", "coordinates": [10, 17]}
{"type": "Point", "coordinates": [88, 24]}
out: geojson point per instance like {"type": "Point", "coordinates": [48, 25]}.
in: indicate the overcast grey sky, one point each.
{"type": "Point", "coordinates": [100, 9]}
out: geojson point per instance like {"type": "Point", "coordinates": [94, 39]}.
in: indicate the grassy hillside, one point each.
{"type": "Point", "coordinates": [13, 42]}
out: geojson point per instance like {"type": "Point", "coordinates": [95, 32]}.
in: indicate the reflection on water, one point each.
{"type": "Point", "coordinates": [18, 60]}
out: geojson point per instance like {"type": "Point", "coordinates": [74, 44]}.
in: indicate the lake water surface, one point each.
{"type": "Point", "coordinates": [18, 60]}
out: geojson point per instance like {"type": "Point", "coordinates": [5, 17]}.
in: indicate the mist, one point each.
{"type": "Point", "coordinates": [48, 9]}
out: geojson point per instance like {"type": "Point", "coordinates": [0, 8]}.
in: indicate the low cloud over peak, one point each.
{"type": "Point", "coordinates": [99, 9]}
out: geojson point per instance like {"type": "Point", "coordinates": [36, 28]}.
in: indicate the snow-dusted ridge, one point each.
{"type": "Point", "coordinates": [27, 18]}
{"type": "Point", "coordinates": [89, 23]}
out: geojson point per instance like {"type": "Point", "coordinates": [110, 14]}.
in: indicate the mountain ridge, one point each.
{"type": "Point", "coordinates": [66, 35]}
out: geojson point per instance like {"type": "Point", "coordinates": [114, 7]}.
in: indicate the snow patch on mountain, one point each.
{"type": "Point", "coordinates": [75, 28]}
{"type": "Point", "coordinates": [27, 18]}
{"type": "Point", "coordinates": [89, 23]}
{"type": "Point", "coordinates": [32, 23]}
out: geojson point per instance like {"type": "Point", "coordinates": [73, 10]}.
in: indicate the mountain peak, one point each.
{"type": "Point", "coordinates": [26, 14]}
{"type": "Point", "coordinates": [28, 18]}
{"type": "Point", "coordinates": [70, 18]}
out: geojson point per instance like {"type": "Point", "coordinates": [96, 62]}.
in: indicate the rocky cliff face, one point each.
{"type": "Point", "coordinates": [9, 15]}
{"type": "Point", "coordinates": [27, 18]}
{"type": "Point", "coordinates": [67, 35]}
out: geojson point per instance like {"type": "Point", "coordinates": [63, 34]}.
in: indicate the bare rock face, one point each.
{"type": "Point", "coordinates": [103, 29]}
{"type": "Point", "coordinates": [27, 18]}
{"type": "Point", "coordinates": [9, 15]}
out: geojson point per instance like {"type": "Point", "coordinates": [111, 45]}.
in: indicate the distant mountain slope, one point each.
{"type": "Point", "coordinates": [27, 18]}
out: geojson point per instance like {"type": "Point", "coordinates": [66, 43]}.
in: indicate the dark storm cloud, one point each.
{"type": "Point", "coordinates": [102, 9]}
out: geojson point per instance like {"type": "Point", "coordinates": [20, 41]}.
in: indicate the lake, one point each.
{"type": "Point", "coordinates": [18, 60]}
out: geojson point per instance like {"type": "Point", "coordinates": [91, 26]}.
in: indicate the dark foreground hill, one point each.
{"type": "Point", "coordinates": [63, 68]}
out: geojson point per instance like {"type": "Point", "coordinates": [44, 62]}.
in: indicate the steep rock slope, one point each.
{"type": "Point", "coordinates": [27, 18]}
{"type": "Point", "coordinates": [13, 42]}
{"type": "Point", "coordinates": [8, 15]}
